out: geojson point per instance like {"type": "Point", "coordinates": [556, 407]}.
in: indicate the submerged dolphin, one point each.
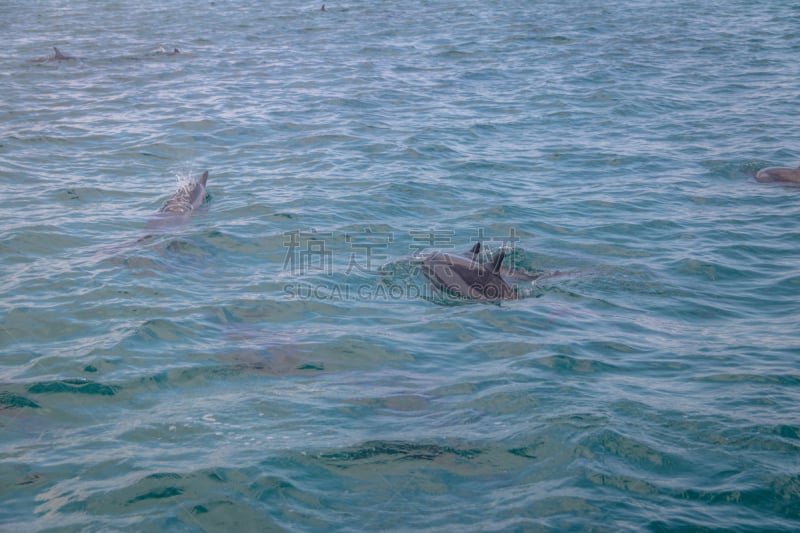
{"type": "Point", "coordinates": [778, 175]}
{"type": "Point", "coordinates": [187, 198]}
{"type": "Point", "coordinates": [467, 277]}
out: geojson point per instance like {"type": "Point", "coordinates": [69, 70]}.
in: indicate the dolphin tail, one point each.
{"type": "Point", "coordinates": [497, 261]}
{"type": "Point", "coordinates": [203, 179]}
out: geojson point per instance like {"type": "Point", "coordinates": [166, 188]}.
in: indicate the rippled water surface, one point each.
{"type": "Point", "coordinates": [277, 361]}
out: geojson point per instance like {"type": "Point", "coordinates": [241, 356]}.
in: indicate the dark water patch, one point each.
{"type": "Point", "coordinates": [31, 479]}
{"type": "Point", "coordinates": [628, 484]}
{"type": "Point", "coordinates": [186, 248]}
{"type": "Point", "coordinates": [207, 370]}
{"type": "Point", "coordinates": [161, 330]}
{"type": "Point", "coordinates": [786, 431]}
{"type": "Point", "coordinates": [157, 494]}
{"type": "Point", "coordinates": [752, 507]}
{"type": "Point", "coordinates": [275, 362]}
{"type": "Point", "coordinates": [613, 444]}
{"type": "Point", "coordinates": [779, 496]}
{"type": "Point", "coordinates": [514, 473]}
{"type": "Point", "coordinates": [151, 492]}
{"type": "Point", "coordinates": [73, 386]}
{"type": "Point", "coordinates": [229, 514]}
{"type": "Point", "coordinates": [568, 364]}
{"type": "Point", "coordinates": [378, 452]}
{"type": "Point", "coordinates": [141, 265]}
{"type": "Point", "coordinates": [9, 400]}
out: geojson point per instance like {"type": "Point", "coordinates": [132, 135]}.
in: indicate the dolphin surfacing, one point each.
{"type": "Point", "coordinates": [466, 277]}
{"type": "Point", "coordinates": [187, 198]}
{"type": "Point", "coordinates": [176, 210]}
{"type": "Point", "coordinates": [779, 175]}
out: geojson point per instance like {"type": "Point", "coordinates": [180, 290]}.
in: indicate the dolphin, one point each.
{"type": "Point", "coordinates": [172, 53]}
{"type": "Point", "coordinates": [176, 52]}
{"type": "Point", "coordinates": [176, 209]}
{"type": "Point", "coordinates": [778, 175]}
{"type": "Point", "coordinates": [187, 198]}
{"type": "Point", "coordinates": [58, 56]}
{"type": "Point", "coordinates": [467, 277]}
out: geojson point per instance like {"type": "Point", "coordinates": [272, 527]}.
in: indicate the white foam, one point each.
{"type": "Point", "coordinates": [184, 179]}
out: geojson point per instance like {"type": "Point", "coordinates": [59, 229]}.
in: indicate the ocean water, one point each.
{"type": "Point", "coordinates": [276, 361]}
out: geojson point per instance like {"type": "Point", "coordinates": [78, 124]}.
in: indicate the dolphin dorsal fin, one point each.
{"type": "Point", "coordinates": [475, 251]}
{"type": "Point", "coordinates": [497, 261]}
{"type": "Point", "coordinates": [58, 54]}
{"type": "Point", "coordinates": [203, 179]}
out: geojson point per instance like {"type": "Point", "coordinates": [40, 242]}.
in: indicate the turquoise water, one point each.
{"type": "Point", "coordinates": [276, 361]}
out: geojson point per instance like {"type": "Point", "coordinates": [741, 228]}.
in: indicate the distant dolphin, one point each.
{"type": "Point", "coordinates": [778, 175]}
{"type": "Point", "coordinates": [174, 52]}
{"type": "Point", "coordinates": [58, 56]}
{"type": "Point", "coordinates": [187, 198]}
{"type": "Point", "coordinates": [467, 277]}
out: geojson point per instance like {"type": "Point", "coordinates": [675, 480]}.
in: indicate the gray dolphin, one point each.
{"type": "Point", "coordinates": [176, 209]}
{"type": "Point", "coordinates": [187, 198]}
{"type": "Point", "coordinates": [172, 53]}
{"type": "Point", "coordinates": [779, 175]}
{"type": "Point", "coordinates": [467, 277]}
{"type": "Point", "coordinates": [58, 56]}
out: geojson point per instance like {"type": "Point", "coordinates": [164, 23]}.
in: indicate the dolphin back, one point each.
{"type": "Point", "coordinates": [466, 277]}
{"type": "Point", "coordinates": [187, 198]}
{"type": "Point", "coordinates": [778, 175]}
